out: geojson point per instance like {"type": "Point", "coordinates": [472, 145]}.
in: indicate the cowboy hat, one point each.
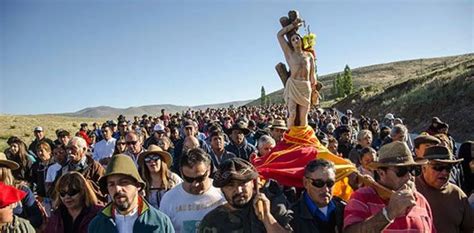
{"type": "Point", "coordinates": [396, 154]}
{"type": "Point", "coordinates": [8, 163]}
{"type": "Point", "coordinates": [440, 154]}
{"type": "Point", "coordinates": [156, 150]}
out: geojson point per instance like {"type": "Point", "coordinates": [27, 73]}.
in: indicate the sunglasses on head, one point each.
{"type": "Point", "coordinates": [152, 158]}
{"type": "Point", "coordinates": [70, 192]}
{"type": "Point", "coordinates": [402, 171]}
{"type": "Point", "coordinates": [132, 142]}
{"type": "Point", "coordinates": [441, 167]}
{"type": "Point", "coordinates": [319, 183]}
{"type": "Point", "coordinates": [198, 179]}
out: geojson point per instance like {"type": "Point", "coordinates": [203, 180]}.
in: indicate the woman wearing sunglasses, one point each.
{"type": "Point", "coordinates": [75, 205]}
{"type": "Point", "coordinates": [155, 164]}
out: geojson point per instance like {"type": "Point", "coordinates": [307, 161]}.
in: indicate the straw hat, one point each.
{"type": "Point", "coordinates": [8, 163]}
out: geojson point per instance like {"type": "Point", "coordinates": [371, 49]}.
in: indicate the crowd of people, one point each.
{"type": "Point", "coordinates": [193, 172]}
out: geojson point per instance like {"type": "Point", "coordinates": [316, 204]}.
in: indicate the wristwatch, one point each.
{"type": "Point", "coordinates": [385, 214]}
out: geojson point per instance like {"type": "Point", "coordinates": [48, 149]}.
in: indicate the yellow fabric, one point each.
{"type": "Point", "coordinates": [343, 167]}
{"type": "Point", "coordinates": [298, 91]}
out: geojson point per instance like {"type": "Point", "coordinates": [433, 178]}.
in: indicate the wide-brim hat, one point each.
{"type": "Point", "coordinates": [8, 163]}
{"type": "Point", "coordinates": [278, 124]}
{"type": "Point", "coordinates": [156, 150]}
{"type": "Point", "coordinates": [238, 126]}
{"type": "Point", "coordinates": [9, 195]}
{"type": "Point", "coordinates": [234, 169]}
{"type": "Point", "coordinates": [121, 164]}
{"type": "Point", "coordinates": [426, 139]}
{"type": "Point", "coordinates": [440, 154]}
{"type": "Point", "coordinates": [396, 154]}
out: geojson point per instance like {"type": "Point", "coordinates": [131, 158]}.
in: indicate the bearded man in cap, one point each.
{"type": "Point", "coordinates": [435, 186]}
{"type": "Point", "coordinates": [237, 179]}
{"type": "Point", "coordinates": [403, 210]}
{"type": "Point", "coordinates": [128, 212]}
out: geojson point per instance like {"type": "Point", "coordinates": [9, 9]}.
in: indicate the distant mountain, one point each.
{"type": "Point", "coordinates": [154, 110]}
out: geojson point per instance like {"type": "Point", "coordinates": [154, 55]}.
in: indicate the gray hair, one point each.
{"type": "Point", "coordinates": [264, 140]}
{"type": "Point", "coordinates": [316, 164]}
{"type": "Point", "coordinates": [399, 129]}
{"type": "Point", "coordinates": [79, 141]}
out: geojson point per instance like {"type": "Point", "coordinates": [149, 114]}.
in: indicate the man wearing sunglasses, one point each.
{"type": "Point", "coordinates": [404, 210]}
{"type": "Point", "coordinates": [317, 210]}
{"type": "Point", "coordinates": [134, 145]}
{"type": "Point", "coordinates": [187, 203]}
{"type": "Point", "coordinates": [237, 179]}
{"type": "Point", "coordinates": [451, 209]}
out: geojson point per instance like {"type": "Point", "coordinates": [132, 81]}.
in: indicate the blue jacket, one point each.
{"type": "Point", "coordinates": [149, 220]}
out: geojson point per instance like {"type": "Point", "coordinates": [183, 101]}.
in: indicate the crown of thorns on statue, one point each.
{"type": "Point", "coordinates": [234, 169]}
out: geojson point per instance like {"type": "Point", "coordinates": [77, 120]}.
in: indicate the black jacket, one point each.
{"type": "Point", "coordinates": [303, 221]}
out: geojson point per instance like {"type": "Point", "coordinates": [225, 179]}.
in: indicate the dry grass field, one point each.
{"type": "Point", "coordinates": [22, 126]}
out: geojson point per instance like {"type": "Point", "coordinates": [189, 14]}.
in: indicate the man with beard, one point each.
{"type": "Point", "coordinates": [317, 210]}
{"type": "Point", "coordinates": [237, 179]}
{"type": "Point", "coordinates": [187, 203]}
{"type": "Point", "coordinates": [128, 212]}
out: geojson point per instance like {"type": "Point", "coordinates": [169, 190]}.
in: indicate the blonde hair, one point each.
{"type": "Point", "coordinates": [6, 176]}
{"type": "Point", "coordinates": [74, 180]}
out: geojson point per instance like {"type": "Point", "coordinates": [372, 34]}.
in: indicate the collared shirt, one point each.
{"type": "Point", "coordinates": [104, 149]}
{"type": "Point", "coordinates": [365, 203]}
{"type": "Point", "coordinates": [125, 222]}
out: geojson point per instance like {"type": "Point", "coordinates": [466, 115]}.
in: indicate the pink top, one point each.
{"type": "Point", "coordinates": [365, 203]}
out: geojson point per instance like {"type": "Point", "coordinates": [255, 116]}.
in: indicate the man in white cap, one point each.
{"type": "Point", "coordinates": [39, 136]}
{"type": "Point", "coordinates": [158, 133]}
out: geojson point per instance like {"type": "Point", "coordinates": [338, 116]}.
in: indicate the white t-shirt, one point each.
{"type": "Point", "coordinates": [187, 210]}
{"type": "Point", "coordinates": [104, 149]}
{"type": "Point", "coordinates": [52, 172]}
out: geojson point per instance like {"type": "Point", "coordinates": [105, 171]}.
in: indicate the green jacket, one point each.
{"type": "Point", "coordinates": [149, 220]}
{"type": "Point", "coordinates": [19, 225]}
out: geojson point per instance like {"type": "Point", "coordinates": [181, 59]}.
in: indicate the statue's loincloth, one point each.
{"type": "Point", "coordinates": [298, 91]}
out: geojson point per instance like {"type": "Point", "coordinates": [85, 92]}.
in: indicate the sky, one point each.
{"type": "Point", "coordinates": [61, 56]}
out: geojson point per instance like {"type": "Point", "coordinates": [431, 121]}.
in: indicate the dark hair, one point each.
{"type": "Point", "coordinates": [194, 156]}
{"type": "Point", "coordinates": [314, 165]}
{"type": "Point", "coordinates": [365, 151]}
{"type": "Point", "coordinates": [216, 133]}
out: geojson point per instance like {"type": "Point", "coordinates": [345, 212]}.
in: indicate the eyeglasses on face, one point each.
{"type": "Point", "coordinates": [132, 142]}
{"type": "Point", "coordinates": [70, 192]}
{"type": "Point", "coordinates": [441, 167]}
{"type": "Point", "coordinates": [152, 158]}
{"type": "Point", "coordinates": [319, 183]}
{"type": "Point", "coordinates": [402, 171]}
{"type": "Point", "coordinates": [197, 179]}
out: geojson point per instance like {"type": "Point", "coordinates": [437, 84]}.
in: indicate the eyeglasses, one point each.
{"type": "Point", "coordinates": [440, 168]}
{"type": "Point", "coordinates": [319, 183]}
{"type": "Point", "coordinates": [132, 143]}
{"type": "Point", "coordinates": [70, 192]}
{"type": "Point", "coordinates": [402, 171]}
{"type": "Point", "coordinates": [152, 158]}
{"type": "Point", "coordinates": [197, 179]}
{"type": "Point", "coordinates": [121, 143]}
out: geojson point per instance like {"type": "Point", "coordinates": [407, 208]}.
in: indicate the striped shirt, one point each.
{"type": "Point", "coordinates": [365, 203]}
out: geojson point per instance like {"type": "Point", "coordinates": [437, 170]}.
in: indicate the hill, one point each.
{"type": "Point", "coordinates": [379, 76]}
{"type": "Point", "coordinates": [446, 91]}
{"type": "Point", "coordinates": [110, 112]}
